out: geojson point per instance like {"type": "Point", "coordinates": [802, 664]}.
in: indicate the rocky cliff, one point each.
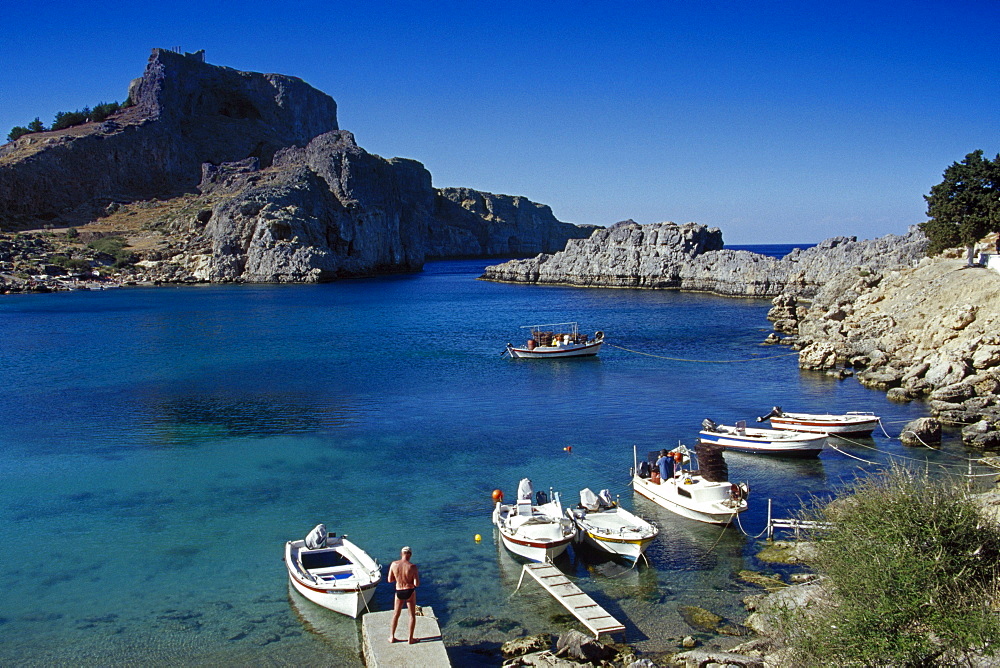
{"type": "Point", "coordinates": [185, 113]}
{"type": "Point", "coordinates": [281, 194]}
{"type": "Point", "coordinates": [692, 257]}
{"type": "Point", "coordinates": [929, 332]}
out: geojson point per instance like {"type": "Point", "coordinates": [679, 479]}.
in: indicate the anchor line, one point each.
{"type": "Point", "coordinates": [965, 460]}
{"type": "Point", "coordinates": [679, 359]}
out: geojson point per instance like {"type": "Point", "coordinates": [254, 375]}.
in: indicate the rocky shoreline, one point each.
{"type": "Point", "coordinates": [692, 257]}
{"type": "Point", "coordinates": [928, 332]}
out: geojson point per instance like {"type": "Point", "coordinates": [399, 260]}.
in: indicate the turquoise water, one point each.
{"type": "Point", "coordinates": [158, 446]}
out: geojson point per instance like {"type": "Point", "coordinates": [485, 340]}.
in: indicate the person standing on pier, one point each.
{"type": "Point", "coordinates": [407, 578]}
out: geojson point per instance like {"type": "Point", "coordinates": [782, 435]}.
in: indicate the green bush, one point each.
{"type": "Point", "coordinates": [114, 246]}
{"type": "Point", "coordinates": [913, 571]}
{"type": "Point", "coordinates": [66, 119]}
{"type": "Point", "coordinates": [110, 245]}
{"type": "Point", "coordinates": [103, 110]}
{"type": "Point", "coordinates": [17, 132]}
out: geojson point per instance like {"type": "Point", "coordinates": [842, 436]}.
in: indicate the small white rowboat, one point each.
{"type": "Point", "coordinates": [332, 572]}
{"type": "Point", "coordinates": [854, 423]}
{"type": "Point", "coordinates": [762, 441]}
{"type": "Point", "coordinates": [604, 525]}
{"type": "Point", "coordinates": [536, 532]}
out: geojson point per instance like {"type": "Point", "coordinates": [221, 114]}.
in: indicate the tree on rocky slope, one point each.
{"type": "Point", "coordinates": [965, 206]}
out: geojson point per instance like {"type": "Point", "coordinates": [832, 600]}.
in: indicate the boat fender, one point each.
{"type": "Point", "coordinates": [498, 495]}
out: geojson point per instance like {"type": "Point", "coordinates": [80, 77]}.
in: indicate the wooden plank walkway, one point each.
{"type": "Point", "coordinates": [428, 652]}
{"type": "Point", "coordinates": [584, 608]}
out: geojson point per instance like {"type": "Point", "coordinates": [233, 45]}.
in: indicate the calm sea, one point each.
{"type": "Point", "coordinates": [158, 447]}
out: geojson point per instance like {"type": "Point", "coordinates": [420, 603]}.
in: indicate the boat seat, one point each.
{"type": "Point", "coordinates": [524, 507]}
{"type": "Point", "coordinates": [334, 573]}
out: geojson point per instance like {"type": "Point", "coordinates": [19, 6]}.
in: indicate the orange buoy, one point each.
{"type": "Point", "coordinates": [568, 448]}
{"type": "Point", "coordinates": [498, 495]}
{"type": "Point", "coordinates": [678, 457]}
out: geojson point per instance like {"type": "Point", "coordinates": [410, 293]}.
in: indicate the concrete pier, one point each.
{"type": "Point", "coordinates": [427, 652]}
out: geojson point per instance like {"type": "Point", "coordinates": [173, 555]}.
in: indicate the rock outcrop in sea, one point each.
{"type": "Point", "coordinates": [276, 190]}
{"type": "Point", "coordinates": [692, 257]}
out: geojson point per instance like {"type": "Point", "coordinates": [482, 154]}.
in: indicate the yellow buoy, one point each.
{"type": "Point", "coordinates": [478, 538]}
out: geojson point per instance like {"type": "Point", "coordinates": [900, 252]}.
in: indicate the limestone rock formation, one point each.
{"type": "Point", "coordinates": [692, 257]}
{"type": "Point", "coordinates": [926, 332]}
{"type": "Point", "coordinates": [186, 112]}
{"type": "Point", "coordinates": [283, 194]}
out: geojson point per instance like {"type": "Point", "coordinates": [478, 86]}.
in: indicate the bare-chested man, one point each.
{"type": "Point", "coordinates": [407, 579]}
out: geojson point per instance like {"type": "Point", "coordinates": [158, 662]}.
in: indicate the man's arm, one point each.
{"type": "Point", "coordinates": [392, 572]}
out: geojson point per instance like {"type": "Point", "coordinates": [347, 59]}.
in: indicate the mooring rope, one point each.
{"type": "Point", "coordinates": [941, 465]}
{"type": "Point", "coordinates": [680, 359]}
{"type": "Point", "coordinates": [739, 523]}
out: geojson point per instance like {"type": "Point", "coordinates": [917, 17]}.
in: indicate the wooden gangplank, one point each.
{"type": "Point", "coordinates": [584, 608]}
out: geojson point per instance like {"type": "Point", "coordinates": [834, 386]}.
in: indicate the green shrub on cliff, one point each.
{"type": "Point", "coordinates": [17, 132]}
{"type": "Point", "coordinates": [913, 571]}
{"type": "Point", "coordinates": [965, 206]}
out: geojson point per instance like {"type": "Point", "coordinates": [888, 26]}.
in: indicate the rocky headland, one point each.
{"type": "Point", "coordinates": [693, 257]}
{"type": "Point", "coordinates": [212, 174]}
{"type": "Point", "coordinates": [928, 332]}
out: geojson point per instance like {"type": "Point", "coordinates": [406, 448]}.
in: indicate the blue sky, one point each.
{"type": "Point", "coordinates": [778, 122]}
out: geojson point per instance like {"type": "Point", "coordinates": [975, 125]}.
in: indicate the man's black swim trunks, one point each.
{"type": "Point", "coordinates": [404, 594]}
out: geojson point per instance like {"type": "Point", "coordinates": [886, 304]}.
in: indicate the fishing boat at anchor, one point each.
{"type": "Point", "coordinates": [562, 339]}
{"type": "Point", "coordinates": [604, 525]}
{"type": "Point", "coordinates": [533, 527]}
{"type": "Point", "coordinates": [332, 571]}
{"type": "Point", "coordinates": [852, 423]}
{"type": "Point", "coordinates": [704, 494]}
{"type": "Point", "coordinates": [762, 441]}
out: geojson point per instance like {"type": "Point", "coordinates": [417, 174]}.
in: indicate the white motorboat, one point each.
{"type": "Point", "coordinates": [854, 423]}
{"type": "Point", "coordinates": [332, 571]}
{"type": "Point", "coordinates": [562, 339]}
{"type": "Point", "coordinates": [604, 525]}
{"type": "Point", "coordinates": [762, 441]}
{"type": "Point", "coordinates": [705, 494]}
{"type": "Point", "coordinates": [533, 528]}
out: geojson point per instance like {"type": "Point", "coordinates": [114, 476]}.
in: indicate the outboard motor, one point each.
{"type": "Point", "coordinates": [708, 425]}
{"type": "Point", "coordinates": [775, 412]}
{"type": "Point", "coordinates": [589, 500]}
{"type": "Point", "coordinates": [643, 469]}
{"type": "Point", "coordinates": [316, 538]}
{"type": "Point", "coordinates": [541, 498]}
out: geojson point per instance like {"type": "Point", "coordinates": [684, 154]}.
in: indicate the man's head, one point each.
{"type": "Point", "coordinates": [406, 552]}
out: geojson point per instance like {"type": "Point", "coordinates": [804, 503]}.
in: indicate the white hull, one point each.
{"type": "Point", "coordinates": [542, 352]}
{"type": "Point", "coordinates": [538, 533]}
{"type": "Point", "coordinates": [617, 532]}
{"type": "Point", "coordinates": [340, 577]}
{"type": "Point", "coordinates": [347, 602]}
{"type": "Point", "coordinates": [534, 551]}
{"type": "Point", "coordinates": [708, 502]}
{"type": "Point", "coordinates": [858, 424]}
{"type": "Point", "coordinates": [766, 441]}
